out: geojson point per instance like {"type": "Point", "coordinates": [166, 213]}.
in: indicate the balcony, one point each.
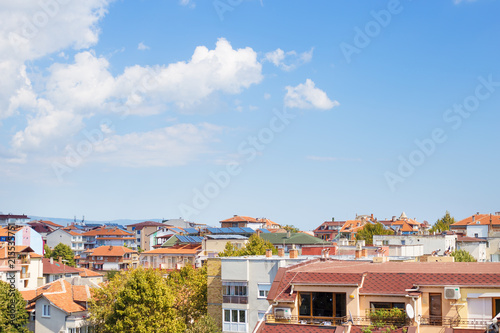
{"type": "Point", "coordinates": [235, 299]}
{"type": "Point", "coordinates": [455, 322]}
{"type": "Point", "coordinates": [25, 275]}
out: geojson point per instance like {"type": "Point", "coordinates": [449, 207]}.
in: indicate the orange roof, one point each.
{"type": "Point", "coordinates": [103, 231]}
{"type": "Point", "coordinates": [352, 226]}
{"type": "Point", "coordinates": [237, 218]}
{"type": "Point", "coordinates": [50, 223]}
{"type": "Point", "coordinates": [5, 231]}
{"type": "Point", "coordinates": [166, 250]}
{"type": "Point", "coordinates": [407, 227]}
{"type": "Point", "coordinates": [62, 294]}
{"type": "Point", "coordinates": [87, 272]}
{"type": "Point", "coordinates": [408, 221]}
{"type": "Point", "coordinates": [484, 219]}
{"type": "Point", "coordinates": [72, 233]}
{"type": "Point", "coordinates": [268, 222]}
{"type": "Point", "coordinates": [110, 251]}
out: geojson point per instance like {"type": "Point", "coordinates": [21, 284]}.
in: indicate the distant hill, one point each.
{"type": "Point", "coordinates": [65, 221]}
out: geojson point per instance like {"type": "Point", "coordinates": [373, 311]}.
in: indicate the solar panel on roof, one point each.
{"type": "Point", "coordinates": [248, 230]}
{"type": "Point", "coordinates": [213, 230]}
{"type": "Point", "coordinates": [236, 230]}
{"type": "Point", "coordinates": [264, 231]}
{"type": "Point", "coordinates": [191, 230]}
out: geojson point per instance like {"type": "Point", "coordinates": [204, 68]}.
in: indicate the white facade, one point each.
{"type": "Point", "coordinates": [477, 230]}
{"type": "Point", "coordinates": [248, 279]}
{"type": "Point", "coordinates": [430, 242]}
{"type": "Point", "coordinates": [476, 249]}
{"type": "Point", "coordinates": [50, 319]}
{"type": "Point", "coordinates": [416, 250]}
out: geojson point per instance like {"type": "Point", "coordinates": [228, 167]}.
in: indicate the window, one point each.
{"type": "Point", "coordinates": [322, 305]}
{"type": "Point", "coordinates": [234, 288]}
{"type": "Point", "coordinates": [46, 310]}
{"type": "Point", "coordinates": [261, 315]}
{"type": "Point", "coordinates": [234, 292]}
{"type": "Point", "coordinates": [263, 290]}
{"type": "Point", "coordinates": [386, 305]}
{"type": "Point", "coordinates": [235, 320]}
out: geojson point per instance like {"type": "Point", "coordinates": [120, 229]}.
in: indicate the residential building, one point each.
{"type": "Point", "coordinates": [75, 240]}
{"type": "Point", "coordinates": [238, 288]}
{"type": "Point", "coordinates": [290, 240]}
{"type": "Point", "coordinates": [108, 236]}
{"type": "Point", "coordinates": [441, 295]}
{"type": "Point", "coordinates": [160, 236]}
{"type": "Point", "coordinates": [181, 223]}
{"type": "Point", "coordinates": [42, 229]}
{"type": "Point", "coordinates": [248, 222]}
{"type": "Point", "coordinates": [28, 267]}
{"type": "Point", "coordinates": [478, 225]}
{"type": "Point", "coordinates": [109, 258]}
{"type": "Point", "coordinates": [174, 257]}
{"type": "Point", "coordinates": [143, 231]}
{"type": "Point", "coordinates": [90, 278]}
{"type": "Point", "coordinates": [475, 246]}
{"type": "Point", "coordinates": [24, 236]}
{"type": "Point", "coordinates": [328, 230]}
{"type": "Point", "coordinates": [439, 243]}
{"type": "Point", "coordinates": [55, 270]}
{"type": "Point", "coordinates": [58, 307]}
{"type": "Point", "coordinates": [6, 219]}
{"type": "Point", "coordinates": [211, 245]}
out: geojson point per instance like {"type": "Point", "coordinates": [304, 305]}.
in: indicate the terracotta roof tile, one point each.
{"type": "Point", "coordinates": [170, 250]}
{"type": "Point", "coordinates": [110, 251]}
{"type": "Point", "coordinates": [104, 231]}
{"type": "Point", "coordinates": [62, 294]}
{"type": "Point", "coordinates": [294, 328]}
{"type": "Point", "coordinates": [238, 218]}
{"type": "Point", "coordinates": [57, 268]}
{"type": "Point", "coordinates": [84, 272]}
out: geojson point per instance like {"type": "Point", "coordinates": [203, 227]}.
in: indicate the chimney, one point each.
{"type": "Point", "coordinates": [473, 218]}
{"type": "Point", "coordinates": [60, 260]}
{"type": "Point", "coordinates": [333, 219]}
{"type": "Point", "coordinates": [51, 260]}
{"type": "Point", "coordinates": [281, 252]}
{"type": "Point", "coordinates": [393, 218]}
{"type": "Point", "coordinates": [111, 247]}
{"type": "Point", "coordinates": [294, 253]}
{"type": "Point", "coordinates": [372, 216]}
{"type": "Point", "coordinates": [269, 253]}
{"type": "Point", "coordinates": [497, 213]}
{"type": "Point", "coordinates": [288, 234]}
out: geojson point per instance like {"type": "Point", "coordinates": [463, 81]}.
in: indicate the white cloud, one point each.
{"type": "Point", "coordinates": [307, 96]}
{"type": "Point", "coordinates": [290, 60]}
{"type": "Point", "coordinates": [32, 29]}
{"type": "Point", "coordinates": [142, 47]}
{"type": "Point", "coordinates": [187, 3]}
{"type": "Point", "coordinates": [267, 96]}
{"type": "Point", "coordinates": [170, 146]}
{"type": "Point", "coordinates": [86, 87]}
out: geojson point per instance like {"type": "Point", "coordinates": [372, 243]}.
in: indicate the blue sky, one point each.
{"type": "Point", "coordinates": [294, 111]}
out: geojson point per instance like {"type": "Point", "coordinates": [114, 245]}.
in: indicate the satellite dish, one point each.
{"type": "Point", "coordinates": [409, 311]}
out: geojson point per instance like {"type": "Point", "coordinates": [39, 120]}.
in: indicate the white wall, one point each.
{"type": "Point", "coordinates": [430, 242]}
{"type": "Point", "coordinates": [480, 230]}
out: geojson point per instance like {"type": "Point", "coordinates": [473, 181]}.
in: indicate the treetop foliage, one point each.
{"type": "Point", "coordinates": [255, 246]}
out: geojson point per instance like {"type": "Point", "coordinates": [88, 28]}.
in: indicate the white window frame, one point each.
{"type": "Point", "coordinates": [234, 288]}
{"type": "Point", "coordinates": [46, 310]}
{"type": "Point", "coordinates": [263, 287]}
{"type": "Point", "coordinates": [234, 326]}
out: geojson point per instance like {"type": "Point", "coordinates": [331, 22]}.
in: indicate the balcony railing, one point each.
{"type": "Point", "coordinates": [334, 321]}
{"type": "Point", "coordinates": [235, 299]}
{"type": "Point", "coordinates": [25, 275]}
{"type": "Point", "coordinates": [455, 322]}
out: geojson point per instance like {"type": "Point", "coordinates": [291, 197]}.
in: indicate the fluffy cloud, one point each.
{"type": "Point", "coordinates": [86, 86]}
{"type": "Point", "coordinates": [288, 61]}
{"type": "Point", "coordinates": [170, 146]}
{"type": "Point", "coordinates": [142, 47]}
{"type": "Point", "coordinates": [307, 96]}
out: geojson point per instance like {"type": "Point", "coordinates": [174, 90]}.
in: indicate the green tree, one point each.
{"type": "Point", "coordinates": [139, 300]}
{"type": "Point", "coordinates": [64, 251]}
{"type": "Point", "coordinates": [9, 297]}
{"type": "Point", "coordinates": [443, 223]}
{"type": "Point", "coordinates": [254, 246]}
{"type": "Point", "coordinates": [290, 228]}
{"type": "Point", "coordinates": [462, 256]}
{"type": "Point", "coordinates": [47, 250]}
{"type": "Point", "coordinates": [205, 324]}
{"type": "Point", "coordinates": [371, 229]}
{"type": "Point", "coordinates": [189, 285]}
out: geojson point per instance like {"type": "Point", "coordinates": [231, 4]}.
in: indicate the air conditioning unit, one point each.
{"type": "Point", "coordinates": [452, 293]}
{"type": "Point", "coordinates": [283, 313]}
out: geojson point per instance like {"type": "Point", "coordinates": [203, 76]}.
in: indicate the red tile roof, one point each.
{"type": "Point", "coordinates": [294, 328]}
{"type": "Point", "coordinates": [390, 278]}
{"type": "Point", "coordinates": [110, 251]}
{"type": "Point", "coordinates": [141, 225]}
{"type": "Point", "coordinates": [52, 224]}
{"type": "Point", "coordinates": [172, 250]}
{"type": "Point", "coordinates": [481, 218]}
{"type": "Point", "coordinates": [353, 226]}
{"type": "Point", "coordinates": [57, 268]}
{"type": "Point", "coordinates": [62, 294]}
{"type": "Point", "coordinates": [84, 272]}
{"type": "Point", "coordinates": [104, 231]}
{"type": "Point", "coordinates": [238, 218]}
